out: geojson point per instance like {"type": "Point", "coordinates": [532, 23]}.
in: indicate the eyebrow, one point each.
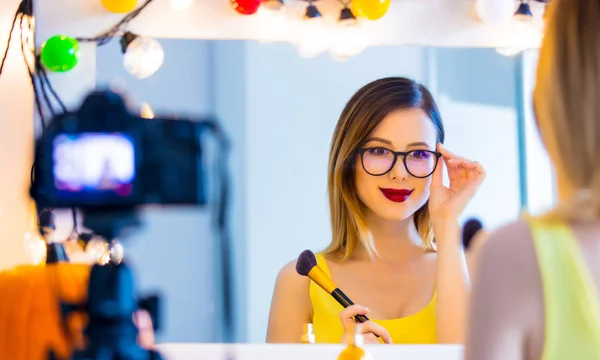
{"type": "Point", "coordinates": [385, 141]}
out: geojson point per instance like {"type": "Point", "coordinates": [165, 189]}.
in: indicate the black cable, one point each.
{"type": "Point", "coordinates": [14, 23]}
{"type": "Point", "coordinates": [107, 36]}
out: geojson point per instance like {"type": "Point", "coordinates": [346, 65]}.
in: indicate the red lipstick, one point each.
{"type": "Point", "coordinates": [396, 195]}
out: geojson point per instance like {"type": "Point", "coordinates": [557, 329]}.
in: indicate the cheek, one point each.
{"type": "Point", "coordinates": [421, 187]}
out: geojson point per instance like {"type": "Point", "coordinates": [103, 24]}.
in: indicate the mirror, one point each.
{"type": "Point", "coordinates": [279, 110]}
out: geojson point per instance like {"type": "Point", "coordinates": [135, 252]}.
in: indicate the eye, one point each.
{"type": "Point", "coordinates": [420, 154]}
{"type": "Point", "coordinates": [378, 151]}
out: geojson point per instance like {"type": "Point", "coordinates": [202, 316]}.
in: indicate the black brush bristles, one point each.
{"type": "Point", "coordinates": [306, 261]}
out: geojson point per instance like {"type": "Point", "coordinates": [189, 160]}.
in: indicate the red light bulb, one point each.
{"type": "Point", "coordinates": [246, 7]}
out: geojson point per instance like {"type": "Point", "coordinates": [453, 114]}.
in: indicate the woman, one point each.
{"type": "Point", "coordinates": [387, 204]}
{"type": "Point", "coordinates": [536, 291]}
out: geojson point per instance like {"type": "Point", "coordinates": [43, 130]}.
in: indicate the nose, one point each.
{"type": "Point", "coordinates": [399, 170]}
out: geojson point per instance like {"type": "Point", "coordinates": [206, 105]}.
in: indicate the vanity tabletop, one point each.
{"type": "Point", "coordinates": [197, 351]}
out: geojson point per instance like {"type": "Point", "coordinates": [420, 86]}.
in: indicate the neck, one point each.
{"type": "Point", "coordinates": [392, 239]}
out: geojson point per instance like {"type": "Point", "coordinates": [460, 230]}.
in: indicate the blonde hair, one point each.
{"type": "Point", "coordinates": [365, 110]}
{"type": "Point", "coordinates": [567, 104]}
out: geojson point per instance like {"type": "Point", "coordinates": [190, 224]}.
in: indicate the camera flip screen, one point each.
{"type": "Point", "coordinates": [94, 164]}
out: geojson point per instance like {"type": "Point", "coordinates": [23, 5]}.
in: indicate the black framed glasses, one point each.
{"type": "Point", "coordinates": [379, 161]}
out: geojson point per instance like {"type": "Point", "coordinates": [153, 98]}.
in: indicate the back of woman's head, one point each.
{"type": "Point", "coordinates": [362, 114]}
{"type": "Point", "coordinates": [567, 102]}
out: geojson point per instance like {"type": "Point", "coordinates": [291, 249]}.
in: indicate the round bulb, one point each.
{"type": "Point", "coordinates": [494, 11]}
{"type": "Point", "coordinates": [60, 53]}
{"type": "Point", "coordinates": [119, 6]}
{"type": "Point", "coordinates": [35, 247]}
{"type": "Point", "coordinates": [143, 57]}
{"type": "Point", "coordinates": [272, 20]}
{"type": "Point", "coordinates": [97, 250]}
{"type": "Point", "coordinates": [117, 251]}
{"type": "Point", "coordinates": [348, 41]}
{"type": "Point", "coordinates": [370, 9]}
{"type": "Point", "coordinates": [246, 7]}
{"type": "Point", "coordinates": [181, 4]}
{"type": "Point", "coordinates": [315, 38]}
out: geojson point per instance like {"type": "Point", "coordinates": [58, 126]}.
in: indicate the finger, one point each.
{"type": "Point", "coordinates": [347, 315]}
{"type": "Point", "coordinates": [462, 170]}
{"type": "Point", "coordinates": [452, 169]}
{"type": "Point", "coordinates": [446, 154]}
{"type": "Point", "coordinates": [371, 339]}
{"type": "Point", "coordinates": [437, 178]}
{"type": "Point", "coordinates": [377, 330]}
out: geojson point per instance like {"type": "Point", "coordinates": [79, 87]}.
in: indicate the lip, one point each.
{"type": "Point", "coordinates": [396, 195]}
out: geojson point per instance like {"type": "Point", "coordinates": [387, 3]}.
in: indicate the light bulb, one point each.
{"type": "Point", "coordinates": [143, 57]}
{"type": "Point", "coordinates": [508, 51]}
{"type": "Point", "coordinates": [35, 247]}
{"type": "Point", "coordinates": [117, 251]}
{"type": "Point", "coordinates": [146, 111]}
{"type": "Point", "coordinates": [179, 5]}
{"type": "Point", "coordinates": [494, 11]}
{"type": "Point", "coordinates": [97, 251]}
{"type": "Point", "coordinates": [348, 41]}
{"type": "Point", "coordinates": [272, 21]}
{"type": "Point", "coordinates": [316, 38]}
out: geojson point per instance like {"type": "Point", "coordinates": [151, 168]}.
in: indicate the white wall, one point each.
{"type": "Point", "coordinates": [16, 132]}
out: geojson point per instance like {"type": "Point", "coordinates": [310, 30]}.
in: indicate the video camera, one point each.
{"type": "Point", "coordinates": [101, 156]}
{"type": "Point", "coordinates": [108, 162]}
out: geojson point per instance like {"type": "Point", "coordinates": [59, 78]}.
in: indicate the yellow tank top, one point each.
{"type": "Point", "coordinates": [416, 329]}
{"type": "Point", "coordinates": [572, 307]}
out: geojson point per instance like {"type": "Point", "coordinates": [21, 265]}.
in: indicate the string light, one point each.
{"type": "Point", "coordinates": [523, 12]}
{"type": "Point", "coordinates": [315, 33]}
{"type": "Point", "coordinates": [348, 40]}
{"type": "Point", "coordinates": [494, 11]}
{"type": "Point", "coordinates": [142, 56]}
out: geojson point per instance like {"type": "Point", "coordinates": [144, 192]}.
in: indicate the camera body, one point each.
{"type": "Point", "coordinates": [102, 156]}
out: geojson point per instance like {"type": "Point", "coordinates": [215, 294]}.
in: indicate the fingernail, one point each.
{"type": "Point", "coordinates": [367, 309]}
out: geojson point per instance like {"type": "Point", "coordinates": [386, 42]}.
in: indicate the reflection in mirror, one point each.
{"type": "Point", "coordinates": [280, 111]}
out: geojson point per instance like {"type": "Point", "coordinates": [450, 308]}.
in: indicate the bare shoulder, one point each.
{"type": "Point", "coordinates": [506, 309]}
{"type": "Point", "coordinates": [289, 278]}
{"type": "Point", "coordinates": [510, 245]}
{"type": "Point", "coordinates": [290, 306]}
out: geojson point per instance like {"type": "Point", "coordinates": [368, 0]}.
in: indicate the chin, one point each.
{"type": "Point", "coordinates": [396, 212]}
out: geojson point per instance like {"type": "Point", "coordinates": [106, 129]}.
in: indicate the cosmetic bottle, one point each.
{"type": "Point", "coordinates": [354, 346]}
{"type": "Point", "coordinates": [308, 335]}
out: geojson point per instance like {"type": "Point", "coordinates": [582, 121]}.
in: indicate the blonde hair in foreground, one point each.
{"type": "Point", "coordinates": [365, 110]}
{"type": "Point", "coordinates": [567, 104]}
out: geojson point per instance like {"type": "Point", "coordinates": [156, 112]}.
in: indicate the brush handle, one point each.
{"type": "Point", "coordinates": [345, 301]}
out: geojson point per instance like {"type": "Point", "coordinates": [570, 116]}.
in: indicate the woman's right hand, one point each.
{"type": "Point", "coordinates": [372, 332]}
